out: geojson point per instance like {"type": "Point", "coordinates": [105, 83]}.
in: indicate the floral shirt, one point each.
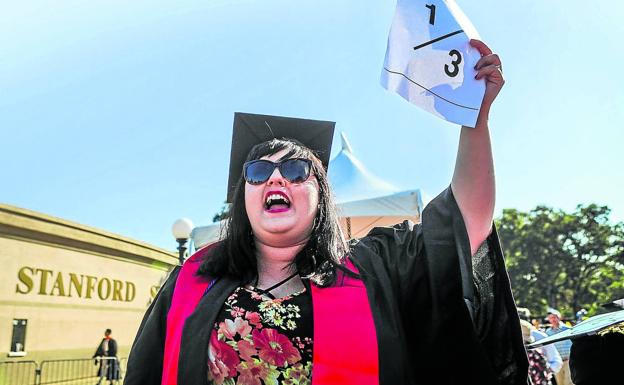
{"type": "Point", "coordinates": [539, 372]}
{"type": "Point", "coordinates": [257, 340]}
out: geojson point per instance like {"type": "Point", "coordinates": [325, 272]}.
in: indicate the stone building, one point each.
{"type": "Point", "coordinates": [62, 284]}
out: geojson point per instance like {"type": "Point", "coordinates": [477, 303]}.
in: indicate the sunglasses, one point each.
{"type": "Point", "coordinates": [294, 170]}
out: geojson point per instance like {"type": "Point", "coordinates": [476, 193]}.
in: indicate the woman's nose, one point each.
{"type": "Point", "coordinates": [276, 178]}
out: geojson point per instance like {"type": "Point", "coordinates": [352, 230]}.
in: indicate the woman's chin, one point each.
{"type": "Point", "coordinates": [278, 225]}
{"type": "Point", "coordinates": [280, 239]}
{"type": "Point", "coordinates": [281, 230]}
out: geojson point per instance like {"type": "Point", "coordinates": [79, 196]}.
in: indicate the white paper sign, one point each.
{"type": "Point", "coordinates": [429, 60]}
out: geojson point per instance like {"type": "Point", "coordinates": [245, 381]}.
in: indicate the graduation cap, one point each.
{"type": "Point", "coordinates": [252, 129]}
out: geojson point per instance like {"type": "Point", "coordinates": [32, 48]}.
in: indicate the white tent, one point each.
{"type": "Point", "coordinates": [364, 201]}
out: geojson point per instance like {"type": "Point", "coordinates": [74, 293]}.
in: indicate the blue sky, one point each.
{"type": "Point", "coordinates": [118, 114]}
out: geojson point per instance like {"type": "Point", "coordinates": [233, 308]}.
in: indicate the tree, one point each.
{"type": "Point", "coordinates": [222, 214]}
{"type": "Point", "coordinates": [563, 260]}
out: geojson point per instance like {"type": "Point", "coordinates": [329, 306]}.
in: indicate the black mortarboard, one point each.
{"type": "Point", "coordinates": [252, 129]}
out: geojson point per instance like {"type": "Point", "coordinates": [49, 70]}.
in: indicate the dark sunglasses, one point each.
{"type": "Point", "coordinates": [294, 170]}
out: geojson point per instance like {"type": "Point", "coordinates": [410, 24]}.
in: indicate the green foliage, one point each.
{"type": "Point", "coordinates": [563, 260]}
{"type": "Point", "coordinates": [222, 214]}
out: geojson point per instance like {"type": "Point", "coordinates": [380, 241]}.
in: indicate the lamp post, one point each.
{"type": "Point", "coordinates": [181, 231]}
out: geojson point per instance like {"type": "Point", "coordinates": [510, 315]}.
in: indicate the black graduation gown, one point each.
{"type": "Point", "coordinates": [436, 321]}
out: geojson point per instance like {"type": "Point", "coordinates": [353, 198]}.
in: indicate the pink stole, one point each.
{"type": "Point", "coordinates": [345, 339]}
{"type": "Point", "coordinates": [187, 293]}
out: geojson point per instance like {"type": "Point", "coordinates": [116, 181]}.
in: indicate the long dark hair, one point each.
{"type": "Point", "coordinates": [235, 255]}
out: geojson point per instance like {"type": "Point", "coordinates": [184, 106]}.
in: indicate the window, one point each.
{"type": "Point", "coordinates": [18, 340]}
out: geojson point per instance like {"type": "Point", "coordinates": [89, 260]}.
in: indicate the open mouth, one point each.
{"type": "Point", "coordinates": [276, 202]}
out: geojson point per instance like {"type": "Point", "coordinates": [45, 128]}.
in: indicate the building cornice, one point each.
{"type": "Point", "coordinates": [33, 226]}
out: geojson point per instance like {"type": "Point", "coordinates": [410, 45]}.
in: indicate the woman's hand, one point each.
{"type": "Point", "coordinates": [490, 68]}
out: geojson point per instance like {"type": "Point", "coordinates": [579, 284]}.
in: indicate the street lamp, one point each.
{"type": "Point", "coordinates": [181, 231]}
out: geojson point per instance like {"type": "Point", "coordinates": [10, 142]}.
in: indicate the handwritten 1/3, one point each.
{"type": "Point", "coordinates": [451, 70]}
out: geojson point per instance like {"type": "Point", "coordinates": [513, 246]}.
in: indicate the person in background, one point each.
{"type": "Point", "coordinates": [540, 372]}
{"type": "Point", "coordinates": [562, 377]}
{"type": "Point", "coordinates": [597, 359]}
{"type": "Point", "coordinates": [581, 315]}
{"type": "Point", "coordinates": [550, 351]}
{"type": "Point", "coordinates": [107, 352]}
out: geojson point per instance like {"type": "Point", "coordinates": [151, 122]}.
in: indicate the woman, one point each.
{"type": "Point", "coordinates": [540, 372]}
{"type": "Point", "coordinates": [283, 299]}
{"type": "Point", "coordinates": [106, 353]}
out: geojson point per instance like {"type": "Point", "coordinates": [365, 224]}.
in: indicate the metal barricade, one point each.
{"type": "Point", "coordinates": [77, 371]}
{"type": "Point", "coordinates": [123, 365]}
{"type": "Point", "coordinates": [109, 370]}
{"type": "Point", "coordinates": [18, 372]}
{"type": "Point", "coordinates": [100, 370]}
{"type": "Point", "coordinates": [84, 371]}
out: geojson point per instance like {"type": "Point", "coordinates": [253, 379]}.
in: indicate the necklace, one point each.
{"type": "Point", "coordinates": [269, 289]}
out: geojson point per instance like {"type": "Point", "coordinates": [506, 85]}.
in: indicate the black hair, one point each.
{"type": "Point", "coordinates": [108, 331]}
{"type": "Point", "coordinates": [235, 255]}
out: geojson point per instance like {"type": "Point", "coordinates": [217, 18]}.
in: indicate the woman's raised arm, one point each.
{"type": "Point", "coordinates": [473, 179]}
